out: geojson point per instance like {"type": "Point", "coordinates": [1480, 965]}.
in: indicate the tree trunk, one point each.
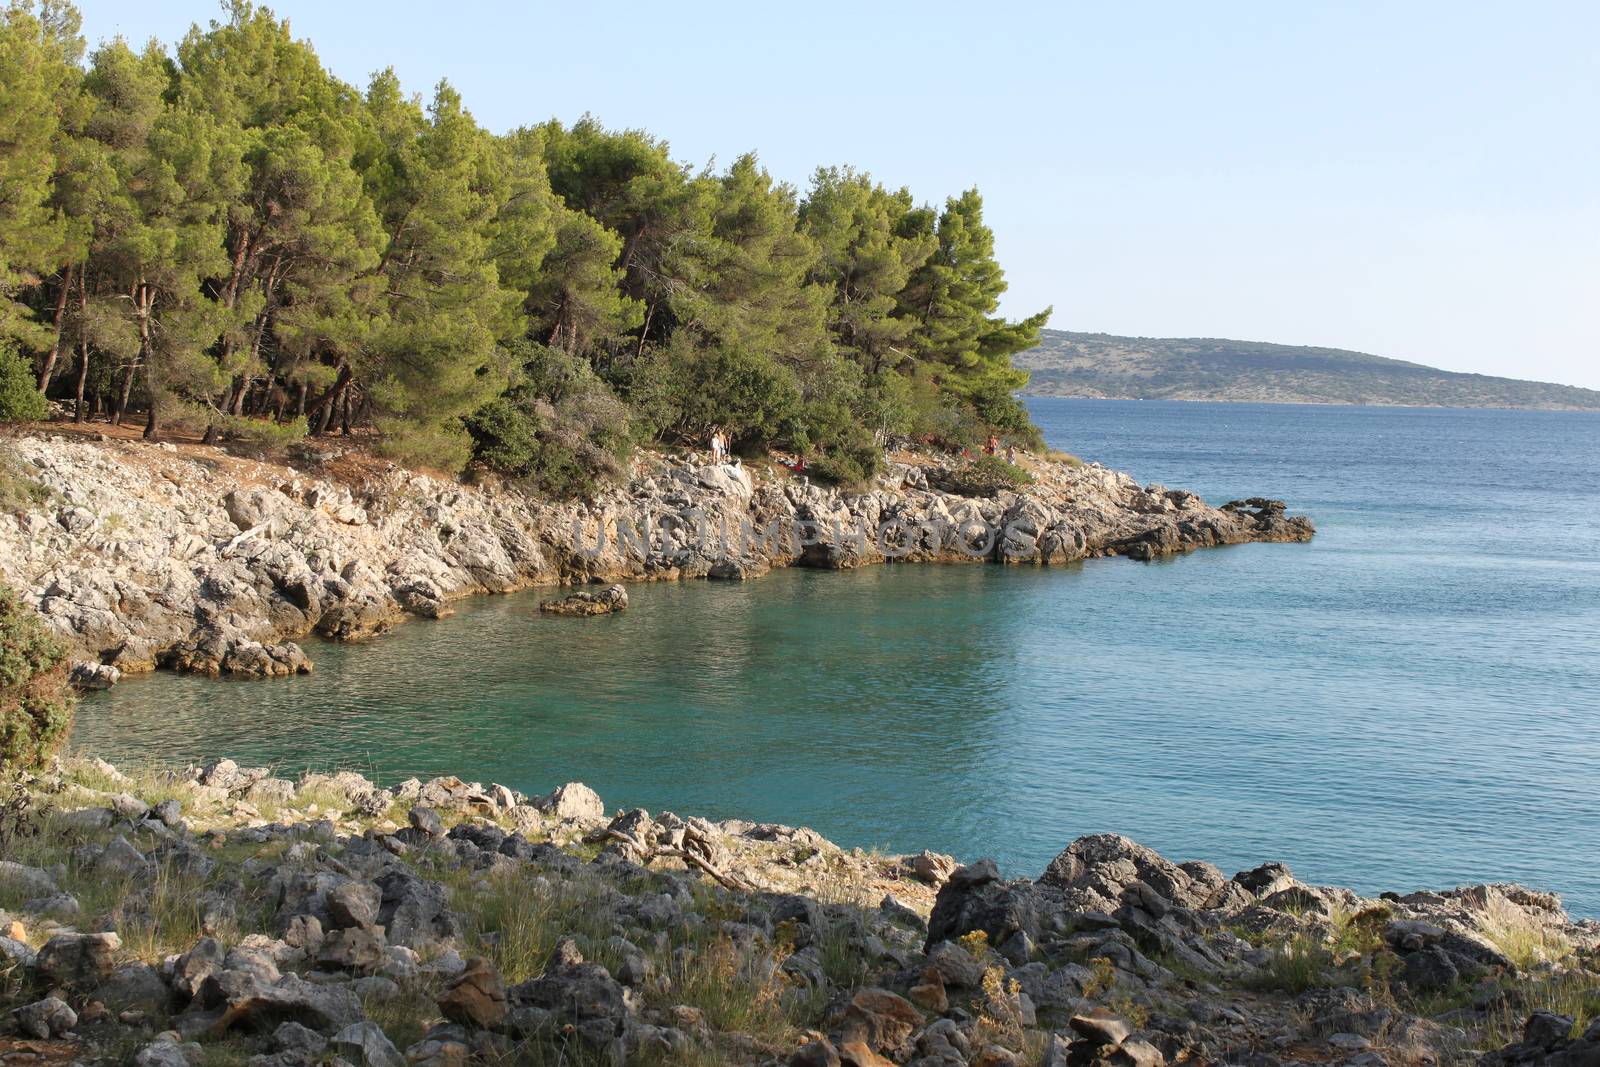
{"type": "Point", "coordinates": [49, 367]}
{"type": "Point", "coordinates": [83, 347]}
{"type": "Point", "coordinates": [127, 391]}
{"type": "Point", "coordinates": [150, 426]}
{"type": "Point", "coordinates": [322, 409]}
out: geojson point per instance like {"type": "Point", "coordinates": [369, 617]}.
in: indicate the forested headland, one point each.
{"type": "Point", "coordinates": [224, 237]}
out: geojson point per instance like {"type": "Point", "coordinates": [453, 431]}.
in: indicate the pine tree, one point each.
{"type": "Point", "coordinates": [866, 260]}
{"type": "Point", "coordinates": [952, 299]}
{"type": "Point", "coordinates": [36, 73]}
{"type": "Point", "coordinates": [434, 358]}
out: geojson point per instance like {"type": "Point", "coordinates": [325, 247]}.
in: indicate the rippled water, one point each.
{"type": "Point", "coordinates": [1409, 701]}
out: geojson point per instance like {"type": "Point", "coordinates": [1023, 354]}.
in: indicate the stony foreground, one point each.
{"type": "Point", "coordinates": [187, 557]}
{"type": "Point", "coordinates": [220, 915]}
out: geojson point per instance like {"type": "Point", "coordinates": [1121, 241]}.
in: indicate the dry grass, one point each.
{"type": "Point", "coordinates": [1520, 939]}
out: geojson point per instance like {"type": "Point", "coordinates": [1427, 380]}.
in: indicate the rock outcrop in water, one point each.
{"type": "Point", "coordinates": [225, 915]}
{"type": "Point", "coordinates": [608, 601]}
{"type": "Point", "coordinates": [190, 558]}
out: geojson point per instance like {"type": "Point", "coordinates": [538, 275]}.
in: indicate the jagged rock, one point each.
{"type": "Point", "coordinates": [975, 899]}
{"type": "Point", "coordinates": [573, 801]}
{"type": "Point", "coordinates": [476, 997]}
{"type": "Point", "coordinates": [133, 986]}
{"type": "Point", "coordinates": [819, 1053]}
{"type": "Point", "coordinates": [1095, 871]}
{"type": "Point", "coordinates": [881, 1020]}
{"type": "Point", "coordinates": [581, 995]}
{"type": "Point", "coordinates": [1101, 1027]}
{"type": "Point", "coordinates": [426, 820]}
{"type": "Point", "coordinates": [365, 1045]}
{"type": "Point", "coordinates": [169, 812]}
{"type": "Point", "coordinates": [91, 677]}
{"type": "Point", "coordinates": [191, 970]}
{"type": "Point", "coordinates": [1136, 1053]}
{"type": "Point", "coordinates": [932, 867]}
{"type": "Point", "coordinates": [78, 961]}
{"type": "Point", "coordinates": [168, 1054]}
{"type": "Point", "coordinates": [1430, 970]}
{"type": "Point", "coordinates": [250, 1002]}
{"type": "Point", "coordinates": [352, 949]}
{"type": "Point", "coordinates": [354, 904]}
{"type": "Point", "coordinates": [226, 582]}
{"type": "Point", "coordinates": [1265, 880]}
{"type": "Point", "coordinates": [437, 1052]}
{"type": "Point", "coordinates": [929, 992]}
{"type": "Point", "coordinates": [609, 600]}
{"type": "Point", "coordinates": [46, 1018]}
{"type": "Point", "coordinates": [956, 966]}
{"type": "Point", "coordinates": [414, 912]}
{"type": "Point", "coordinates": [294, 1037]}
{"type": "Point", "coordinates": [15, 951]}
{"type": "Point", "coordinates": [26, 881]}
{"type": "Point", "coordinates": [121, 858]}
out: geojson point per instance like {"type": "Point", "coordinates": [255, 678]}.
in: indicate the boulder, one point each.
{"type": "Point", "coordinates": [582, 996]}
{"type": "Point", "coordinates": [352, 949]}
{"type": "Point", "coordinates": [78, 961]}
{"type": "Point", "coordinates": [1101, 1027]}
{"type": "Point", "coordinates": [91, 677]}
{"type": "Point", "coordinates": [1094, 871]}
{"type": "Point", "coordinates": [608, 601]}
{"type": "Point", "coordinates": [134, 986]}
{"type": "Point", "coordinates": [426, 820]}
{"type": "Point", "coordinates": [932, 867]}
{"type": "Point", "coordinates": [251, 1003]}
{"type": "Point", "coordinates": [46, 1018]}
{"type": "Point", "coordinates": [975, 899]}
{"type": "Point", "coordinates": [881, 1020]}
{"type": "Point", "coordinates": [354, 904]}
{"type": "Point", "coordinates": [365, 1045]}
{"type": "Point", "coordinates": [26, 881]}
{"type": "Point", "coordinates": [573, 801]}
{"type": "Point", "coordinates": [477, 996]}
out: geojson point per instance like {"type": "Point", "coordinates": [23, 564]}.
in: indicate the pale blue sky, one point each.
{"type": "Point", "coordinates": [1417, 180]}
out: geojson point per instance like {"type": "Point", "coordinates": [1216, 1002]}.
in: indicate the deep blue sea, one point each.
{"type": "Point", "coordinates": [1412, 700]}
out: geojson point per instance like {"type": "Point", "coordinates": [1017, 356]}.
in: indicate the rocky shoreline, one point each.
{"type": "Point", "coordinates": [220, 915]}
{"type": "Point", "coordinates": [191, 558]}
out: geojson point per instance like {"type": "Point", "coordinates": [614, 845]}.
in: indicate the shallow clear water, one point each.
{"type": "Point", "coordinates": [1408, 701]}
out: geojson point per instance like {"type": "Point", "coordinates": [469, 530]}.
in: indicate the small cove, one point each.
{"type": "Point", "coordinates": [1408, 701]}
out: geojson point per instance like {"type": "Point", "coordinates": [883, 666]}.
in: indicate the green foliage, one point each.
{"type": "Point", "coordinates": [559, 429]}
{"type": "Point", "coordinates": [35, 702]}
{"type": "Point", "coordinates": [688, 387]}
{"type": "Point", "coordinates": [986, 476]}
{"type": "Point", "coordinates": [20, 400]}
{"type": "Point", "coordinates": [226, 237]}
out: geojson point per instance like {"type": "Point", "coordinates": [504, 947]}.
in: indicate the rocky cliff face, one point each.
{"type": "Point", "coordinates": [190, 558]}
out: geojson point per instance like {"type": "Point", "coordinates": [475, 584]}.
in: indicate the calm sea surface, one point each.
{"type": "Point", "coordinates": [1412, 700]}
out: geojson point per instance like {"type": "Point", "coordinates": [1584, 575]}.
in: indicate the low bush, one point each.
{"type": "Point", "coordinates": [20, 399]}
{"type": "Point", "coordinates": [35, 701]}
{"type": "Point", "coordinates": [985, 476]}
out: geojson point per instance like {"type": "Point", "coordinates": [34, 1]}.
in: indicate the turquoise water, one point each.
{"type": "Point", "coordinates": [1409, 701]}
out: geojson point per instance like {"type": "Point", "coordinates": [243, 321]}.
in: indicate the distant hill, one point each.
{"type": "Point", "coordinates": [1206, 368]}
